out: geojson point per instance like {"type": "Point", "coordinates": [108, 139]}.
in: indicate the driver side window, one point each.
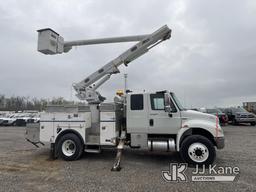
{"type": "Point", "coordinates": [157, 102]}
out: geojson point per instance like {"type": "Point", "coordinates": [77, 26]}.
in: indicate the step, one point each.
{"type": "Point", "coordinates": [92, 150]}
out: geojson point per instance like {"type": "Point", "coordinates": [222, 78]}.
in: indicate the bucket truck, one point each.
{"type": "Point", "coordinates": [154, 121]}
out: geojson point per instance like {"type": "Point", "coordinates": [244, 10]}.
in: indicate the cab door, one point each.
{"type": "Point", "coordinates": [160, 121]}
{"type": "Point", "coordinates": [137, 113]}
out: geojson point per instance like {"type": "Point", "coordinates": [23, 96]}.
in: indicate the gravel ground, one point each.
{"type": "Point", "coordinates": [26, 168]}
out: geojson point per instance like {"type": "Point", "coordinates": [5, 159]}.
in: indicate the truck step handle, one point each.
{"type": "Point", "coordinates": [151, 122]}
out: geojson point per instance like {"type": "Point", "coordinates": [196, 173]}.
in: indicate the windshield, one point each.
{"type": "Point", "coordinates": [240, 109]}
{"type": "Point", "coordinates": [177, 102]}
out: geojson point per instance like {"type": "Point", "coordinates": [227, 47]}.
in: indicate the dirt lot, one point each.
{"type": "Point", "coordinates": [26, 168]}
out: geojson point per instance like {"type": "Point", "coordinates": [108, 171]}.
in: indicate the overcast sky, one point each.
{"type": "Point", "coordinates": [209, 60]}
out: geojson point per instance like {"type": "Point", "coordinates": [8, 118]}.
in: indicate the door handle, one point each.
{"type": "Point", "coordinates": [151, 122]}
{"type": "Point", "coordinates": [153, 113]}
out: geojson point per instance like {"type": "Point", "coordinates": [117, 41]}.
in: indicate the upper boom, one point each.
{"type": "Point", "coordinates": [50, 42]}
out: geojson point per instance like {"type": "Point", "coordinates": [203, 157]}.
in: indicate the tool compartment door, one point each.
{"type": "Point", "coordinates": [107, 132]}
{"type": "Point", "coordinates": [32, 131]}
{"type": "Point", "coordinates": [107, 128]}
{"type": "Point", "coordinates": [69, 120]}
{"type": "Point", "coordinates": [46, 127]}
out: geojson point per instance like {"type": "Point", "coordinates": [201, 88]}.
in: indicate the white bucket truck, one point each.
{"type": "Point", "coordinates": [152, 121]}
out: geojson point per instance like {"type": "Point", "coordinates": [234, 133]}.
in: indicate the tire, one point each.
{"type": "Point", "coordinates": [253, 123]}
{"type": "Point", "coordinates": [197, 149]}
{"type": "Point", "coordinates": [70, 147]}
{"type": "Point", "coordinates": [234, 122]}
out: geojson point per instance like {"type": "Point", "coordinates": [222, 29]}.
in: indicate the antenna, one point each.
{"type": "Point", "coordinates": [125, 82]}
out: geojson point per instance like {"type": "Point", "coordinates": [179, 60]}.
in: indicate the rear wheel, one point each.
{"type": "Point", "coordinates": [197, 149]}
{"type": "Point", "coordinates": [70, 147]}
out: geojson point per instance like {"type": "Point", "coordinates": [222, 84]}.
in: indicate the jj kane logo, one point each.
{"type": "Point", "coordinates": [177, 173]}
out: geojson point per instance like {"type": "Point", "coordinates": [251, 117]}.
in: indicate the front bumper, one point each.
{"type": "Point", "coordinates": [245, 120]}
{"type": "Point", "coordinates": [220, 142]}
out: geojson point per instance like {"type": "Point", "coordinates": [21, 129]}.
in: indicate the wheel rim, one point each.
{"type": "Point", "coordinates": [198, 152]}
{"type": "Point", "coordinates": [68, 147]}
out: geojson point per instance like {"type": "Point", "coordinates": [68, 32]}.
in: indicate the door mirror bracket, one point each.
{"type": "Point", "coordinates": [167, 108]}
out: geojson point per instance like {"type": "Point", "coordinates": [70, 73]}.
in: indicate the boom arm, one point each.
{"type": "Point", "coordinates": [86, 89]}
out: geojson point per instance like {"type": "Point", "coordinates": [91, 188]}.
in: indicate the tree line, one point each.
{"type": "Point", "coordinates": [20, 103]}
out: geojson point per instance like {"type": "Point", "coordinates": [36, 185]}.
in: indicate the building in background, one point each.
{"type": "Point", "coordinates": [250, 106]}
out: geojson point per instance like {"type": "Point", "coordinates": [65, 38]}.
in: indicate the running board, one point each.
{"type": "Point", "coordinates": [93, 150]}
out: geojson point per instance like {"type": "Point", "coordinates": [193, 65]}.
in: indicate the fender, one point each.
{"type": "Point", "coordinates": [208, 128]}
{"type": "Point", "coordinates": [65, 131]}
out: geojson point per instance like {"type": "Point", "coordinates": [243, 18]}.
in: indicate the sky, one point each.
{"type": "Point", "coordinates": [209, 60]}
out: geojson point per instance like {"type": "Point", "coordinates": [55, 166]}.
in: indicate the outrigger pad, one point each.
{"type": "Point", "coordinates": [116, 168]}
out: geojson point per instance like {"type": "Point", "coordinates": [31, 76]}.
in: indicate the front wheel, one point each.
{"type": "Point", "coordinates": [70, 147]}
{"type": "Point", "coordinates": [234, 122]}
{"type": "Point", "coordinates": [197, 149]}
{"type": "Point", "coordinates": [253, 123]}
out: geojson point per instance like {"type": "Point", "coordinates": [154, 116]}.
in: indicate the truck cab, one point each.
{"type": "Point", "coordinates": [157, 121]}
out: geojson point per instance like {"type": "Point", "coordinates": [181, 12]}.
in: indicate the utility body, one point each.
{"type": "Point", "coordinates": [153, 121]}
